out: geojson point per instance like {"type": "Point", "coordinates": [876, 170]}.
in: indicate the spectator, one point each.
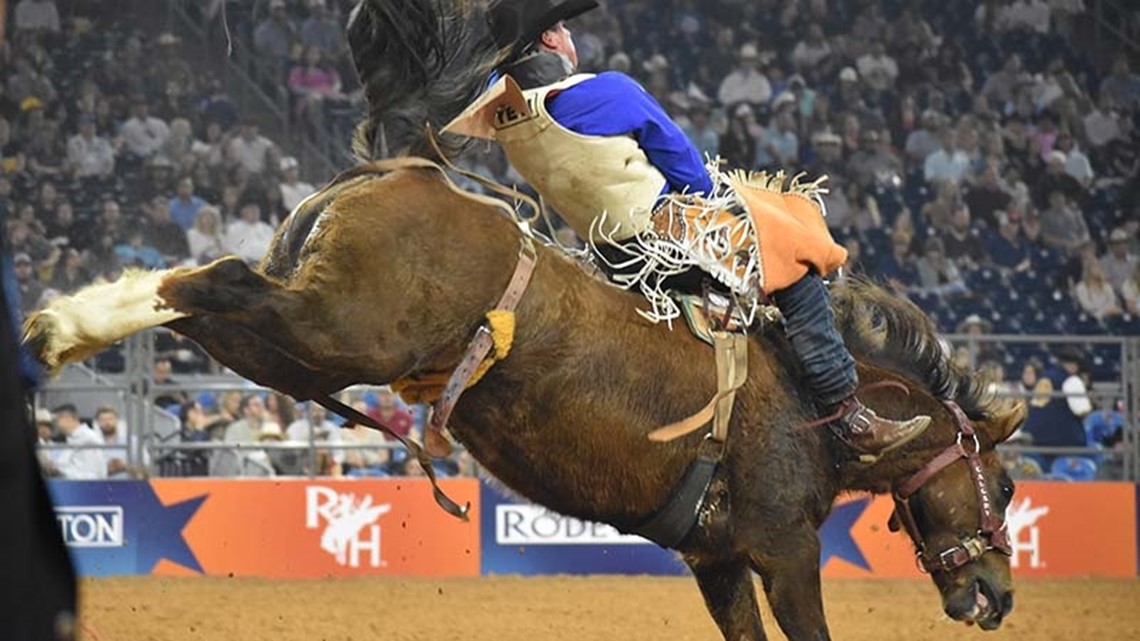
{"type": "Point", "coordinates": [1101, 124]}
{"type": "Point", "coordinates": [71, 274]}
{"type": "Point", "coordinates": [963, 243]}
{"type": "Point", "coordinates": [274, 36]}
{"type": "Point", "coordinates": [370, 459]}
{"type": "Point", "coordinates": [1122, 87]}
{"type": "Point", "coordinates": [779, 146]}
{"type": "Point", "coordinates": [924, 141]}
{"type": "Point", "coordinates": [1057, 422]}
{"type": "Point", "coordinates": [161, 232]}
{"type": "Point", "coordinates": [948, 164]}
{"type": "Point", "coordinates": [293, 191]}
{"type": "Point", "coordinates": [1119, 263]}
{"type": "Point", "coordinates": [211, 151]}
{"type": "Point", "coordinates": [1130, 291]}
{"type": "Point", "coordinates": [29, 288]}
{"type": "Point", "coordinates": [143, 134]}
{"type": "Point", "coordinates": [250, 150]}
{"type": "Point", "coordinates": [166, 391]}
{"type": "Point", "coordinates": [898, 268]}
{"type": "Point", "coordinates": [77, 463]}
{"type": "Point", "coordinates": [179, 145]}
{"type": "Point", "coordinates": [986, 198]}
{"type": "Point", "coordinates": [322, 29]}
{"type": "Point", "coordinates": [89, 155]}
{"type": "Point", "coordinates": [874, 163]}
{"type": "Point", "coordinates": [878, 69]}
{"type": "Point", "coordinates": [248, 237]}
{"type": "Point", "coordinates": [314, 426]}
{"type": "Point", "coordinates": [30, 89]}
{"type": "Point", "coordinates": [136, 253]}
{"type": "Point", "coordinates": [1095, 294]}
{"type": "Point", "coordinates": [114, 433]}
{"type": "Point", "coordinates": [1063, 226]}
{"type": "Point", "coordinates": [37, 15]}
{"type": "Point", "coordinates": [1007, 247]}
{"type": "Point", "coordinates": [184, 206]}
{"type": "Point", "coordinates": [246, 429]}
{"type": "Point", "coordinates": [313, 83]}
{"type": "Point", "coordinates": [936, 273]}
{"type": "Point", "coordinates": [1105, 427]}
{"type": "Point", "coordinates": [700, 132]}
{"type": "Point", "coordinates": [738, 143]}
{"type": "Point", "coordinates": [1076, 162]}
{"type": "Point", "coordinates": [812, 51]}
{"type": "Point", "coordinates": [204, 239]}
{"type": "Point", "coordinates": [746, 83]}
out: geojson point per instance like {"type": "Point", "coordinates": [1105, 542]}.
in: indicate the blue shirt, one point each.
{"type": "Point", "coordinates": [613, 104]}
{"type": "Point", "coordinates": [184, 213]}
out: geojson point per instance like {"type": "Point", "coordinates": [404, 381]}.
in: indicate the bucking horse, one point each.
{"type": "Point", "coordinates": [391, 272]}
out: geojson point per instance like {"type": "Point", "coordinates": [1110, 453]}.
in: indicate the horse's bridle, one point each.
{"type": "Point", "coordinates": [991, 533]}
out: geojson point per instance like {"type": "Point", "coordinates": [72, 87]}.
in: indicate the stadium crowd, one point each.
{"type": "Point", "coordinates": [978, 160]}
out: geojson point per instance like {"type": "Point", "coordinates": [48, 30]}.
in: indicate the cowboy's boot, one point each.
{"type": "Point", "coordinates": [872, 435]}
{"type": "Point", "coordinates": [829, 369]}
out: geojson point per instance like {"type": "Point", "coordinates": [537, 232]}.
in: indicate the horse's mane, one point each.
{"type": "Point", "coordinates": [895, 334]}
{"type": "Point", "coordinates": [421, 63]}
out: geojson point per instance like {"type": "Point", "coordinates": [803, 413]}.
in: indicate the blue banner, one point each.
{"type": "Point", "coordinates": [121, 527]}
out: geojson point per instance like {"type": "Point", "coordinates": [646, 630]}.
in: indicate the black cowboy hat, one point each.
{"type": "Point", "coordinates": [517, 23]}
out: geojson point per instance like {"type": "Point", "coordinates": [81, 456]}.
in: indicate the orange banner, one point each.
{"type": "Point", "coordinates": [1057, 530]}
{"type": "Point", "coordinates": [299, 529]}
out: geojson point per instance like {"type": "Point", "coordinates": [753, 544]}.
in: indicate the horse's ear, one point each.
{"type": "Point", "coordinates": [1001, 427]}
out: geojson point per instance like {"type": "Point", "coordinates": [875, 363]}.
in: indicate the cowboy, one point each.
{"type": "Point", "coordinates": [592, 144]}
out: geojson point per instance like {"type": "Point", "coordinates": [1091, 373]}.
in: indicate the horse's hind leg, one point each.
{"type": "Point", "coordinates": [73, 328]}
{"type": "Point", "coordinates": [792, 585]}
{"type": "Point", "coordinates": [730, 596]}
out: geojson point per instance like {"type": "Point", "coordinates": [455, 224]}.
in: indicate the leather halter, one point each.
{"type": "Point", "coordinates": [477, 350]}
{"type": "Point", "coordinates": [991, 533]}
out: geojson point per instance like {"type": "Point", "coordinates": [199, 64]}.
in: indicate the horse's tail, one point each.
{"type": "Point", "coordinates": [421, 62]}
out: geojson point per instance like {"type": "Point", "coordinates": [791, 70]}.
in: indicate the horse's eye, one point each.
{"type": "Point", "coordinates": [1007, 491]}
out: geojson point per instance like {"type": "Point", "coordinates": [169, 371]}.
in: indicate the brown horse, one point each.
{"type": "Point", "coordinates": [386, 273]}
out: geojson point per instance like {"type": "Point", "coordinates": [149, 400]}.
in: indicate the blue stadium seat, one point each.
{"type": "Point", "coordinates": [1074, 468]}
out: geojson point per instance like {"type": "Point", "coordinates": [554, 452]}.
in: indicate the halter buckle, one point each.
{"type": "Point", "coordinates": [977, 443]}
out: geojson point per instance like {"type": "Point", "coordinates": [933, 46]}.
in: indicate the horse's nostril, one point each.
{"type": "Point", "coordinates": [1006, 603]}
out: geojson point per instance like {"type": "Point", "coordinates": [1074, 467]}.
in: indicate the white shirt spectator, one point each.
{"type": "Point", "coordinates": [1079, 402]}
{"type": "Point", "coordinates": [879, 72]}
{"type": "Point", "coordinates": [90, 156]}
{"type": "Point", "coordinates": [1077, 165]}
{"type": "Point", "coordinates": [745, 85]}
{"type": "Point", "coordinates": [1097, 301]}
{"type": "Point", "coordinates": [942, 166]}
{"type": "Point", "coordinates": [252, 154]}
{"type": "Point", "coordinates": [83, 464]}
{"type": "Point", "coordinates": [37, 14]}
{"type": "Point", "coordinates": [292, 195]}
{"type": "Point", "coordinates": [1027, 14]}
{"type": "Point", "coordinates": [1101, 128]}
{"type": "Point", "coordinates": [806, 55]}
{"type": "Point", "coordinates": [144, 136]}
{"type": "Point", "coordinates": [326, 433]}
{"type": "Point", "coordinates": [248, 241]}
{"type": "Point", "coordinates": [203, 246]}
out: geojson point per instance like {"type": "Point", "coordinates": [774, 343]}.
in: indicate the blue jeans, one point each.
{"type": "Point", "coordinates": [810, 326]}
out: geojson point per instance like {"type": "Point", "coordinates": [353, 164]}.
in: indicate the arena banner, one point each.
{"type": "Point", "coordinates": [292, 528]}
{"type": "Point", "coordinates": [1058, 530]}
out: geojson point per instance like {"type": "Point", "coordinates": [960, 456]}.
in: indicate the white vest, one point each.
{"type": "Point", "coordinates": [581, 176]}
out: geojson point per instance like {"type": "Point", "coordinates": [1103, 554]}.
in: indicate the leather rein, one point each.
{"type": "Point", "coordinates": [991, 533]}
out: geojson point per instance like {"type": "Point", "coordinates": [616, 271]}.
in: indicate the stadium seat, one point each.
{"type": "Point", "coordinates": [1074, 468]}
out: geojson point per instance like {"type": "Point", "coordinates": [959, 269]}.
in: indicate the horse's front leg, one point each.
{"type": "Point", "coordinates": [791, 583]}
{"type": "Point", "coordinates": [730, 596]}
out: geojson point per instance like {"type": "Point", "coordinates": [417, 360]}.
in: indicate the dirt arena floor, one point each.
{"type": "Point", "coordinates": [578, 609]}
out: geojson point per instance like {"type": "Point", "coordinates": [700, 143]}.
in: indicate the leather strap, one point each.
{"type": "Point", "coordinates": [949, 455]}
{"type": "Point", "coordinates": [480, 346]}
{"type": "Point", "coordinates": [442, 499]}
{"type": "Point", "coordinates": [731, 372]}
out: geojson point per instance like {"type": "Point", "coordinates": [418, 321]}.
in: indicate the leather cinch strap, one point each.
{"type": "Point", "coordinates": [731, 372]}
{"type": "Point", "coordinates": [480, 346]}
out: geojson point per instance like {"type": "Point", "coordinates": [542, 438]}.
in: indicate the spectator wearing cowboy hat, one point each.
{"type": "Point", "coordinates": [1119, 263]}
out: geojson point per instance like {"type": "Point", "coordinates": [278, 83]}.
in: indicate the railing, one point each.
{"type": "Point", "coordinates": [1108, 18]}
{"type": "Point", "coordinates": [155, 434]}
